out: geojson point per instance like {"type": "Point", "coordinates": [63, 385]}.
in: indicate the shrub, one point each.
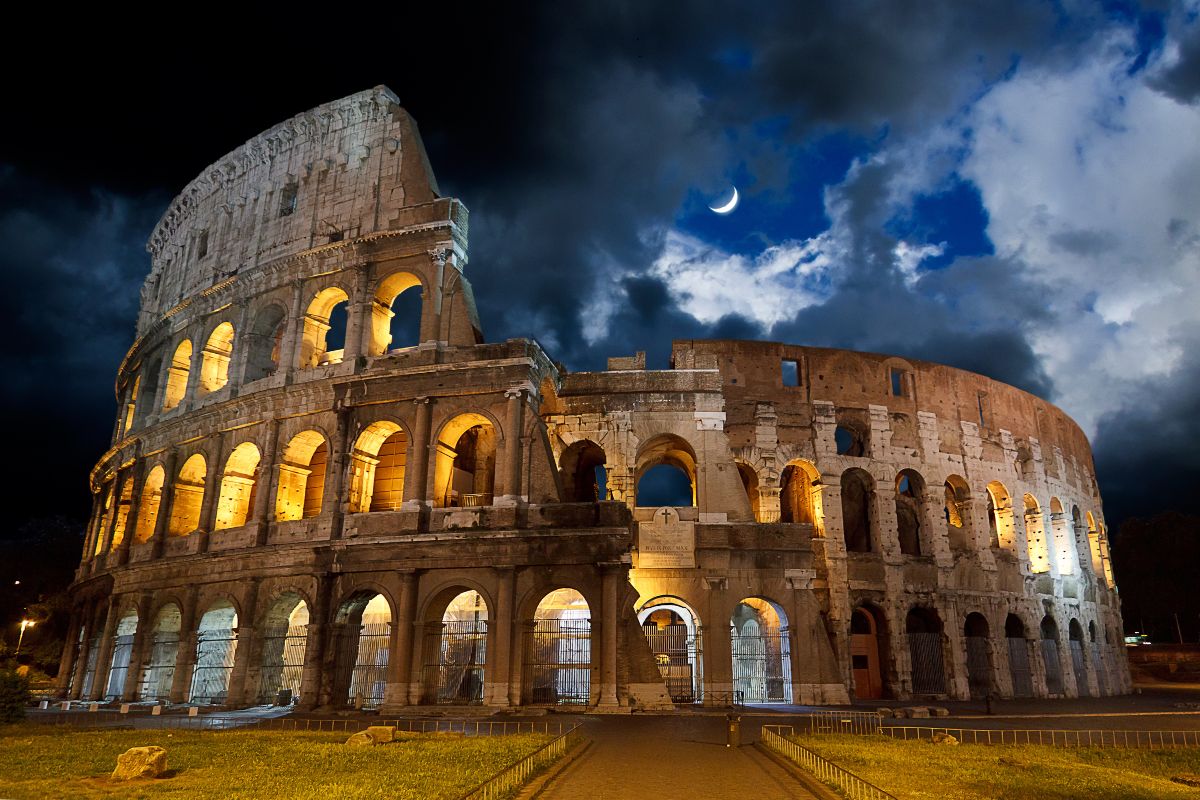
{"type": "Point", "coordinates": [14, 695]}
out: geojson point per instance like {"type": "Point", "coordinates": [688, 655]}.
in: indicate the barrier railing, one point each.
{"type": "Point", "coordinates": [512, 777]}
{"type": "Point", "coordinates": [776, 737]}
{"type": "Point", "coordinates": [1153, 740]}
{"type": "Point", "coordinates": [858, 722]}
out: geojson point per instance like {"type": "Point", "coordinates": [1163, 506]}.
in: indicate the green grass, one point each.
{"type": "Point", "coordinates": [918, 770]}
{"type": "Point", "coordinates": [43, 762]}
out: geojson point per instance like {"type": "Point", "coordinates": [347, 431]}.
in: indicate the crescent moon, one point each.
{"type": "Point", "coordinates": [730, 206]}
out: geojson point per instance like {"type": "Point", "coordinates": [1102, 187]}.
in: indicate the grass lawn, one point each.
{"type": "Point", "coordinates": [44, 762]}
{"type": "Point", "coordinates": [917, 770]}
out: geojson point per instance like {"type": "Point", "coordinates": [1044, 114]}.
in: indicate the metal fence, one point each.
{"type": "Point", "coordinates": [857, 722]}
{"type": "Point", "coordinates": [215, 651]}
{"type": "Point", "coordinates": [677, 652]}
{"type": "Point", "coordinates": [1153, 740]}
{"type": "Point", "coordinates": [777, 738]}
{"type": "Point", "coordinates": [761, 665]}
{"type": "Point", "coordinates": [282, 662]}
{"type": "Point", "coordinates": [558, 661]}
{"type": "Point", "coordinates": [369, 675]}
{"type": "Point", "coordinates": [928, 669]}
{"type": "Point", "coordinates": [457, 657]}
{"type": "Point", "coordinates": [1018, 664]}
{"type": "Point", "coordinates": [504, 782]}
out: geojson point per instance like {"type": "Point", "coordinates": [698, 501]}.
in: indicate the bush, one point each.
{"type": "Point", "coordinates": [14, 695]}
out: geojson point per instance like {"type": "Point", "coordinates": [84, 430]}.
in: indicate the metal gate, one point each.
{"type": "Point", "coordinates": [455, 658]}
{"type": "Point", "coordinates": [928, 669]}
{"type": "Point", "coordinates": [1080, 668]}
{"type": "Point", "coordinates": [1101, 672]}
{"type": "Point", "coordinates": [979, 667]}
{"type": "Point", "coordinates": [558, 661]}
{"type": "Point", "coordinates": [1018, 666]}
{"type": "Point", "coordinates": [677, 653]}
{"type": "Point", "coordinates": [122, 650]}
{"type": "Point", "coordinates": [761, 665]}
{"type": "Point", "coordinates": [282, 662]}
{"type": "Point", "coordinates": [159, 671]}
{"type": "Point", "coordinates": [1054, 682]}
{"type": "Point", "coordinates": [369, 676]}
{"type": "Point", "coordinates": [214, 661]}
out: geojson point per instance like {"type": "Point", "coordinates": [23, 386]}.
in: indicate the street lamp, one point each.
{"type": "Point", "coordinates": [25, 623]}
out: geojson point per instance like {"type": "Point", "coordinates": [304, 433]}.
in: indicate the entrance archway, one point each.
{"type": "Point", "coordinates": [1018, 657]}
{"type": "Point", "coordinates": [1050, 658]}
{"type": "Point", "coordinates": [158, 671]}
{"type": "Point", "coordinates": [284, 637]}
{"type": "Point", "coordinates": [673, 633]}
{"type": "Point", "coordinates": [456, 652]}
{"type": "Point", "coordinates": [364, 653]}
{"type": "Point", "coordinates": [979, 659]}
{"type": "Point", "coordinates": [216, 645]}
{"type": "Point", "coordinates": [923, 627]}
{"type": "Point", "coordinates": [866, 631]}
{"type": "Point", "coordinates": [121, 652]}
{"type": "Point", "coordinates": [558, 650]}
{"type": "Point", "coordinates": [762, 663]}
{"type": "Point", "coordinates": [1078, 659]}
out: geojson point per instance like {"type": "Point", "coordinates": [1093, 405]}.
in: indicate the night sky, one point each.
{"type": "Point", "coordinates": [1011, 188]}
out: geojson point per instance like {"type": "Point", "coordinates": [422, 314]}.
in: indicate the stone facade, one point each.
{"type": "Point", "coordinates": [297, 507]}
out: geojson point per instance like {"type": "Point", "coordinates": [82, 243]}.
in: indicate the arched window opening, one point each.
{"type": "Point", "coordinates": [1018, 657]}
{"type": "Point", "coordinates": [558, 651]}
{"type": "Point", "coordinates": [1000, 517]}
{"type": "Point", "coordinates": [923, 628]}
{"type": "Point", "coordinates": [122, 650]}
{"type": "Point", "coordinates": [301, 488]}
{"type": "Point", "coordinates": [188, 497]}
{"type": "Point", "coordinates": [214, 359]}
{"type": "Point", "coordinates": [368, 652]}
{"type": "Point", "coordinates": [216, 644]}
{"type": "Point", "coordinates": [149, 503]}
{"type": "Point", "coordinates": [762, 663]}
{"type": "Point", "coordinates": [158, 669]}
{"type": "Point", "coordinates": [979, 656]}
{"type": "Point", "coordinates": [1039, 553]}
{"type": "Point", "coordinates": [131, 399]}
{"type": "Point", "coordinates": [466, 462]}
{"type": "Point", "coordinates": [849, 441]}
{"type": "Point", "coordinates": [1098, 661]}
{"type": "Point", "coordinates": [284, 637]}
{"type": "Point", "coordinates": [149, 387]}
{"type": "Point", "coordinates": [910, 490]}
{"type": "Point", "coordinates": [324, 336]}
{"type": "Point", "coordinates": [265, 343]}
{"type": "Point", "coordinates": [238, 486]}
{"type": "Point", "coordinates": [1065, 555]}
{"type": "Point", "coordinates": [857, 497]}
{"type": "Point", "coordinates": [177, 375]}
{"type": "Point", "coordinates": [666, 473]}
{"type": "Point", "coordinates": [100, 525]}
{"type": "Point", "coordinates": [866, 646]}
{"type": "Point", "coordinates": [750, 486]}
{"type": "Point", "coordinates": [1050, 657]}
{"type": "Point", "coordinates": [1093, 536]}
{"type": "Point", "coordinates": [800, 495]}
{"type": "Point", "coordinates": [396, 313]}
{"type": "Point", "coordinates": [1078, 657]}
{"type": "Point", "coordinates": [673, 633]}
{"type": "Point", "coordinates": [124, 506]}
{"type": "Point", "coordinates": [584, 477]}
{"type": "Point", "coordinates": [958, 524]}
{"type": "Point", "coordinates": [456, 652]}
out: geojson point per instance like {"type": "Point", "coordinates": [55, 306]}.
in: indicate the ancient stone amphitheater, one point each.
{"type": "Point", "coordinates": [327, 489]}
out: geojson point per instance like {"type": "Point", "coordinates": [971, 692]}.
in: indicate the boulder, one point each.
{"type": "Point", "coordinates": [939, 711]}
{"type": "Point", "coordinates": [918, 712]}
{"type": "Point", "coordinates": [885, 713]}
{"type": "Point", "coordinates": [141, 762]}
{"type": "Point", "coordinates": [941, 737]}
{"type": "Point", "coordinates": [361, 738]}
{"type": "Point", "coordinates": [382, 733]}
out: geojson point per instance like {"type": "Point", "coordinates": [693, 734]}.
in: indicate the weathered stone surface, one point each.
{"type": "Point", "coordinates": [939, 711]}
{"type": "Point", "coordinates": [941, 737]}
{"type": "Point", "coordinates": [362, 738]}
{"type": "Point", "coordinates": [141, 762]}
{"type": "Point", "coordinates": [885, 712]}
{"type": "Point", "coordinates": [382, 733]}
{"type": "Point", "coordinates": [918, 712]}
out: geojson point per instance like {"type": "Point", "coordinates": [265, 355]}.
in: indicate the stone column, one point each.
{"type": "Point", "coordinates": [935, 539]}
{"type": "Point", "coordinates": [241, 347]}
{"type": "Point", "coordinates": [165, 502]}
{"type": "Point", "coordinates": [512, 449]}
{"type": "Point", "coordinates": [416, 484]}
{"type": "Point", "coordinates": [358, 318]}
{"type": "Point", "coordinates": [137, 654]}
{"type": "Point", "coordinates": [245, 646]}
{"type": "Point", "coordinates": [212, 494]}
{"type": "Point", "coordinates": [334, 502]}
{"type": "Point", "coordinates": [89, 539]}
{"type": "Point", "coordinates": [268, 484]}
{"type": "Point", "coordinates": [181, 681]}
{"type": "Point", "coordinates": [612, 574]}
{"type": "Point", "coordinates": [81, 660]}
{"type": "Point", "coordinates": [104, 656]}
{"type": "Point", "coordinates": [62, 681]}
{"type": "Point", "coordinates": [292, 333]}
{"type": "Point", "coordinates": [138, 475]}
{"type": "Point", "coordinates": [501, 631]}
{"type": "Point", "coordinates": [400, 659]}
{"type": "Point", "coordinates": [314, 645]}
{"type": "Point", "coordinates": [884, 530]}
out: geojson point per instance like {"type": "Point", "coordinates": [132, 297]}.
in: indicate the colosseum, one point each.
{"type": "Point", "coordinates": [326, 488]}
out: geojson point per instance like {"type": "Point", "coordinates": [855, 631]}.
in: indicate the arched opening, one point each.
{"type": "Point", "coordinates": [762, 662]}
{"type": "Point", "coordinates": [1000, 517]}
{"type": "Point", "coordinates": [923, 627]}
{"type": "Point", "coordinates": [131, 399]}
{"type": "Point", "coordinates": [264, 343]}
{"type": "Point", "coordinates": [188, 497]}
{"type": "Point", "coordinates": [465, 473]}
{"type": "Point", "coordinates": [1039, 554]}
{"type": "Point", "coordinates": [750, 486]}
{"type": "Point", "coordinates": [124, 506]}
{"type": "Point", "coordinates": [1098, 661]}
{"type": "Point", "coordinates": [238, 486]}
{"type": "Point", "coordinates": [455, 652]}
{"type": "Point", "coordinates": [177, 375]}
{"type": "Point", "coordinates": [866, 664]}
{"type": "Point", "coordinates": [1050, 657]}
{"type": "Point", "coordinates": [122, 650]}
{"type": "Point", "coordinates": [216, 644]}
{"type": "Point", "coordinates": [910, 492]}
{"type": "Point", "coordinates": [324, 336]}
{"type": "Point", "coordinates": [857, 497]}
{"type": "Point", "coordinates": [396, 313]}
{"type": "Point", "coordinates": [301, 488]}
{"type": "Point", "coordinates": [558, 650]}
{"type": "Point", "coordinates": [979, 656]}
{"type": "Point", "coordinates": [284, 638]}
{"type": "Point", "coordinates": [1065, 554]}
{"type": "Point", "coordinates": [958, 523]}
{"type": "Point", "coordinates": [101, 525]}
{"type": "Point", "coordinates": [1093, 535]}
{"type": "Point", "coordinates": [158, 670]}
{"type": "Point", "coordinates": [800, 495]}
{"type": "Point", "coordinates": [673, 632]}
{"type": "Point", "coordinates": [666, 472]}
{"type": "Point", "coordinates": [849, 441]}
{"type": "Point", "coordinates": [1018, 657]}
{"type": "Point", "coordinates": [584, 477]}
{"type": "Point", "coordinates": [1078, 657]}
{"type": "Point", "coordinates": [377, 466]}
{"type": "Point", "coordinates": [149, 503]}
{"type": "Point", "coordinates": [215, 357]}
{"type": "Point", "coordinates": [364, 651]}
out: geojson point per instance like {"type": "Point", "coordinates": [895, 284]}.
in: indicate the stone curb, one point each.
{"type": "Point", "coordinates": [540, 783]}
{"type": "Point", "coordinates": [802, 776]}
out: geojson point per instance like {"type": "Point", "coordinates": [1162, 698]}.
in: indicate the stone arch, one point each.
{"type": "Point", "coordinates": [868, 643]}
{"type": "Point", "coordinates": [378, 463]}
{"type": "Point", "coordinates": [1018, 656]}
{"type": "Point", "coordinates": [239, 485]}
{"type": "Point", "coordinates": [177, 375]}
{"type": "Point", "coordinates": [1000, 517]}
{"type": "Point", "coordinates": [363, 647]}
{"type": "Point", "coordinates": [264, 342]}
{"type": "Point", "coordinates": [315, 335]}
{"type": "Point", "coordinates": [1050, 655]}
{"type": "Point", "coordinates": [1076, 643]}
{"type": "Point", "coordinates": [672, 630]}
{"type": "Point", "coordinates": [850, 437]}
{"type": "Point", "coordinates": [583, 466]}
{"type": "Point", "coordinates": [283, 637]}
{"type": "Point", "coordinates": [465, 470]}
{"type": "Point", "coordinates": [958, 523]}
{"type": "Point", "coordinates": [800, 494]}
{"type": "Point", "coordinates": [910, 500]}
{"type": "Point", "coordinates": [386, 324]}
{"type": "Point", "coordinates": [749, 480]}
{"type": "Point", "coordinates": [188, 496]}
{"type": "Point", "coordinates": [300, 491]}
{"type": "Point", "coordinates": [670, 450]}
{"type": "Point", "coordinates": [858, 495]}
{"type": "Point", "coordinates": [977, 633]}
{"type": "Point", "coordinates": [124, 501]}
{"type": "Point", "coordinates": [455, 646]}
{"type": "Point", "coordinates": [158, 667]}
{"type": "Point", "coordinates": [923, 629]}
{"type": "Point", "coordinates": [216, 646]}
{"type": "Point", "coordinates": [215, 357]}
{"type": "Point", "coordinates": [122, 651]}
{"type": "Point", "coordinates": [761, 651]}
{"type": "Point", "coordinates": [1035, 532]}
{"type": "Point", "coordinates": [558, 650]}
{"type": "Point", "coordinates": [150, 373]}
{"type": "Point", "coordinates": [1065, 554]}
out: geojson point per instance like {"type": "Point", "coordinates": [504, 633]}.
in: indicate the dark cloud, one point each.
{"type": "Point", "coordinates": [1182, 80]}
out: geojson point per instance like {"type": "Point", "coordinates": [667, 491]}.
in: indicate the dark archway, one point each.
{"type": "Point", "coordinates": [866, 663]}
{"type": "Point", "coordinates": [1018, 657]}
{"type": "Point", "coordinates": [923, 627]}
{"type": "Point", "coordinates": [979, 658]}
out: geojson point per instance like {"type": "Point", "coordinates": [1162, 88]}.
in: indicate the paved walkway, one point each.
{"type": "Point", "coordinates": [669, 758]}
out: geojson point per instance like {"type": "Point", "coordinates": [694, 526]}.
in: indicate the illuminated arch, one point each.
{"type": "Point", "coordinates": [800, 497]}
{"type": "Point", "coordinates": [214, 359]}
{"type": "Point", "coordinates": [149, 503]}
{"type": "Point", "coordinates": [465, 470]}
{"type": "Point", "coordinates": [301, 488]}
{"type": "Point", "coordinates": [558, 650]}
{"type": "Point", "coordinates": [1035, 533]}
{"type": "Point", "coordinates": [761, 652]}
{"type": "Point", "coordinates": [385, 323]}
{"type": "Point", "coordinates": [177, 375]}
{"type": "Point", "coordinates": [284, 637]}
{"type": "Point", "coordinates": [378, 464]}
{"type": "Point", "coordinates": [188, 497]}
{"type": "Point", "coordinates": [264, 342]}
{"type": "Point", "coordinates": [238, 486]}
{"type": "Point", "coordinates": [314, 350]}
{"type": "Point", "coordinates": [669, 450]}
{"type": "Point", "coordinates": [216, 646]}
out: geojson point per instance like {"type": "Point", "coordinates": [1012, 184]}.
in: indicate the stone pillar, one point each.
{"type": "Point", "coordinates": [62, 681]}
{"type": "Point", "coordinates": [314, 645]}
{"type": "Point", "coordinates": [81, 659]}
{"type": "Point", "coordinates": [416, 484]}
{"type": "Point", "coordinates": [612, 574]}
{"type": "Point", "coordinates": [437, 291]}
{"type": "Point", "coordinates": [292, 333]}
{"type": "Point", "coordinates": [334, 502]}
{"type": "Point", "coordinates": [137, 653]}
{"type": "Point", "coordinates": [769, 508]}
{"type": "Point", "coordinates": [165, 501]}
{"type": "Point", "coordinates": [512, 449]}
{"type": "Point", "coordinates": [935, 539]}
{"type": "Point", "coordinates": [212, 494]}
{"type": "Point", "coordinates": [245, 646]}
{"type": "Point", "coordinates": [718, 647]}
{"type": "Point", "coordinates": [358, 318]}
{"type": "Point", "coordinates": [160, 394]}
{"type": "Point", "coordinates": [241, 347]}
{"type": "Point", "coordinates": [138, 475]}
{"type": "Point", "coordinates": [884, 530]}
{"type": "Point", "coordinates": [89, 546]}
{"type": "Point", "coordinates": [501, 631]}
{"type": "Point", "coordinates": [104, 656]}
{"type": "Point", "coordinates": [181, 681]}
{"type": "Point", "coordinates": [398, 691]}
{"type": "Point", "coordinates": [268, 484]}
